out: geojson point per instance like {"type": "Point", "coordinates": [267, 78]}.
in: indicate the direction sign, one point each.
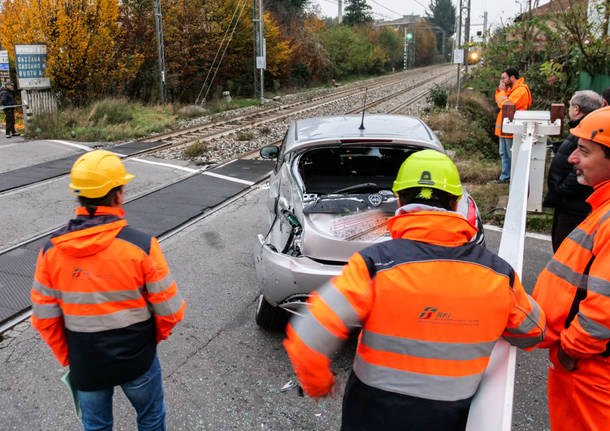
{"type": "Point", "coordinates": [31, 63]}
{"type": "Point", "coordinates": [5, 75]}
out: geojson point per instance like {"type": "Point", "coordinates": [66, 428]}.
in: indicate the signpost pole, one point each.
{"type": "Point", "coordinates": [32, 80]}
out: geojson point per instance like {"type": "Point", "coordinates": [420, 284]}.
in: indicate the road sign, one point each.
{"type": "Point", "coordinates": [5, 75]}
{"type": "Point", "coordinates": [458, 56]}
{"type": "Point", "coordinates": [261, 62]}
{"type": "Point", "coordinates": [31, 63]}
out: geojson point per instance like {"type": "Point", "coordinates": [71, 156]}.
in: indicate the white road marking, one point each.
{"type": "Point", "coordinates": [225, 177]}
{"type": "Point", "coordinates": [167, 165]}
{"type": "Point", "coordinates": [532, 235]}
{"type": "Point", "coordinates": [71, 144]}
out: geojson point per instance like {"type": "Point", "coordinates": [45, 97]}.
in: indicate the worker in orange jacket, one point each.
{"type": "Point", "coordinates": [511, 89]}
{"type": "Point", "coordinates": [574, 292]}
{"type": "Point", "coordinates": [103, 297]}
{"type": "Point", "coordinates": [431, 305]}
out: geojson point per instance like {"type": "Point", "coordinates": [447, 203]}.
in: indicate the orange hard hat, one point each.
{"type": "Point", "coordinates": [595, 127]}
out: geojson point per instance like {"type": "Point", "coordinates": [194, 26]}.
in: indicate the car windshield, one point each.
{"type": "Point", "coordinates": [351, 169]}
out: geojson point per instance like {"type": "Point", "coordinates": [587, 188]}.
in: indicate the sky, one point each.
{"type": "Point", "coordinates": [499, 11]}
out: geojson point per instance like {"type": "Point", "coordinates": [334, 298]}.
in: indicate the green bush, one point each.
{"type": "Point", "coordinates": [194, 150]}
{"type": "Point", "coordinates": [438, 96]}
{"type": "Point", "coordinates": [244, 136]}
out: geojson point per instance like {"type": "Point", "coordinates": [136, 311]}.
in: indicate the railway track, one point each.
{"type": "Point", "coordinates": [227, 127]}
{"type": "Point", "coordinates": [245, 123]}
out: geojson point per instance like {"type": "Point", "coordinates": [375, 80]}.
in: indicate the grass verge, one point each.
{"type": "Point", "coordinates": [118, 119]}
{"type": "Point", "coordinates": [467, 132]}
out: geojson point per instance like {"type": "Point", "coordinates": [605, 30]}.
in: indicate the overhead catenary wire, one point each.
{"type": "Point", "coordinates": [232, 24]}
{"type": "Point", "coordinates": [386, 8]}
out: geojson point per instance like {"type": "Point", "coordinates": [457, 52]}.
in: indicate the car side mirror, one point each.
{"type": "Point", "coordinates": [271, 152]}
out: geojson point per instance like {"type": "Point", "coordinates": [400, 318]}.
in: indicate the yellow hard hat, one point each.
{"type": "Point", "coordinates": [97, 172]}
{"type": "Point", "coordinates": [429, 169]}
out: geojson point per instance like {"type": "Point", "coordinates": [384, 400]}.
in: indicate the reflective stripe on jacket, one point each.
{"type": "Point", "coordinates": [431, 306]}
{"type": "Point", "coordinates": [520, 95]}
{"type": "Point", "coordinates": [574, 288]}
{"type": "Point", "coordinates": [103, 297]}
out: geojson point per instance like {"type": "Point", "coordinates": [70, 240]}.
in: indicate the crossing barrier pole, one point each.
{"type": "Point", "coordinates": [492, 405]}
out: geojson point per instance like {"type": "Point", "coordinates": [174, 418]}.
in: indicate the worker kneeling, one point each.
{"type": "Point", "coordinates": [431, 305]}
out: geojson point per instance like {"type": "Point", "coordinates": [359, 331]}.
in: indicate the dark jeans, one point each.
{"type": "Point", "coordinates": [145, 394]}
{"type": "Point", "coordinates": [366, 409]}
{"type": "Point", "coordinates": [10, 121]}
{"type": "Point", "coordinates": [563, 223]}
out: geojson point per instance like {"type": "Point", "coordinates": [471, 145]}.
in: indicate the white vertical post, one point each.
{"type": "Point", "coordinates": [492, 405]}
{"type": "Point", "coordinates": [261, 48]}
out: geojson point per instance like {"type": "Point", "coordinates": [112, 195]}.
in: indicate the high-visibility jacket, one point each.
{"type": "Point", "coordinates": [520, 95]}
{"type": "Point", "coordinates": [431, 306]}
{"type": "Point", "coordinates": [574, 292]}
{"type": "Point", "coordinates": [103, 297]}
{"type": "Point", "coordinates": [574, 288]}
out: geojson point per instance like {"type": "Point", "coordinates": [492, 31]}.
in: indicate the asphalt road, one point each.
{"type": "Point", "coordinates": [220, 371]}
{"type": "Point", "coordinates": [41, 207]}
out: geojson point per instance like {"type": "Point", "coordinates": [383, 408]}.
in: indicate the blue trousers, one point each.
{"type": "Point", "coordinates": [145, 394]}
{"type": "Point", "coordinates": [505, 148]}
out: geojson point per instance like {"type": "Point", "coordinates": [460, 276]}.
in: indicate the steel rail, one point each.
{"type": "Point", "coordinates": [22, 316]}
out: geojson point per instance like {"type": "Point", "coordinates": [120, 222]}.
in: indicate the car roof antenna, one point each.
{"type": "Point", "coordinates": [366, 90]}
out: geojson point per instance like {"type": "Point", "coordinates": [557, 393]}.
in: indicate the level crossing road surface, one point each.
{"type": "Point", "coordinates": [173, 201]}
{"type": "Point", "coordinates": [220, 371]}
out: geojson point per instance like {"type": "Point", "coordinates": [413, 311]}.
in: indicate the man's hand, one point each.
{"type": "Point", "coordinates": [502, 86]}
{"type": "Point", "coordinates": [568, 362]}
{"type": "Point", "coordinates": [332, 394]}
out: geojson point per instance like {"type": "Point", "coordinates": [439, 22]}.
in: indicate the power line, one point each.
{"type": "Point", "coordinates": [386, 8]}
{"type": "Point", "coordinates": [235, 23]}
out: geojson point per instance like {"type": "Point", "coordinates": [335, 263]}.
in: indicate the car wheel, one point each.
{"type": "Point", "coordinates": [270, 317]}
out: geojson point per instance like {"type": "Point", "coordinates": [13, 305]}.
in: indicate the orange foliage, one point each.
{"type": "Point", "coordinates": [83, 39]}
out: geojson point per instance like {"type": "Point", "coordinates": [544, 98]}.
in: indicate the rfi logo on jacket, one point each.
{"type": "Point", "coordinates": [427, 313]}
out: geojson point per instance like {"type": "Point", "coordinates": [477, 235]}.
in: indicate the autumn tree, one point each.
{"type": "Point", "coordinates": [136, 19]}
{"type": "Point", "coordinates": [287, 11]}
{"type": "Point", "coordinates": [83, 39]}
{"type": "Point", "coordinates": [357, 12]}
{"type": "Point", "coordinates": [390, 41]}
{"type": "Point", "coordinates": [425, 43]}
{"type": "Point", "coordinates": [441, 13]}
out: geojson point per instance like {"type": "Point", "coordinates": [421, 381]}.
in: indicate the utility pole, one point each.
{"type": "Point", "coordinates": [404, 48]}
{"type": "Point", "coordinates": [262, 48]}
{"type": "Point", "coordinates": [340, 12]}
{"type": "Point", "coordinates": [159, 28]}
{"type": "Point", "coordinates": [467, 36]}
{"type": "Point", "coordinates": [485, 26]}
{"type": "Point", "coordinates": [255, 46]}
{"type": "Point", "coordinates": [259, 49]}
{"type": "Point", "coordinates": [459, 46]}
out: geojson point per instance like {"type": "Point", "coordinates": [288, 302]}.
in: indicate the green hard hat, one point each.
{"type": "Point", "coordinates": [429, 169]}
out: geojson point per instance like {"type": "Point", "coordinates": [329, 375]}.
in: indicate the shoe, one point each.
{"type": "Point", "coordinates": [499, 181]}
{"type": "Point", "coordinates": [8, 136]}
{"type": "Point", "coordinates": [16, 134]}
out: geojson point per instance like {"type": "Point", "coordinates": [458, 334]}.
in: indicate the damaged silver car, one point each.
{"type": "Point", "coordinates": [329, 197]}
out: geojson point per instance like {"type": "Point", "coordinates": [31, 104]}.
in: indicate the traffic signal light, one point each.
{"type": "Point", "coordinates": [409, 36]}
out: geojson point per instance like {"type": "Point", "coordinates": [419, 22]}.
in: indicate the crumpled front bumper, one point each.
{"type": "Point", "coordinates": [284, 277]}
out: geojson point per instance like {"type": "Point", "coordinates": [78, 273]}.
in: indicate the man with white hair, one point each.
{"type": "Point", "coordinates": [566, 195]}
